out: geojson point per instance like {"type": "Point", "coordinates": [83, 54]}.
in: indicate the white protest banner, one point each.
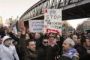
{"type": "Point", "coordinates": [53, 20]}
{"type": "Point", "coordinates": [36, 26]}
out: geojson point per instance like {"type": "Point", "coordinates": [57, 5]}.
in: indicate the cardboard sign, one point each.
{"type": "Point", "coordinates": [53, 20]}
{"type": "Point", "coordinates": [36, 26]}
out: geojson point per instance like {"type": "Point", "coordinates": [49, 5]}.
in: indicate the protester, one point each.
{"type": "Point", "coordinates": [7, 51]}
{"type": "Point", "coordinates": [80, 48]}
{"type": "Point", "coordinates": [2, 31]}
{"type": "Point", "coordinates": [42, 52]}
{"type": "Point", "coordinates": [53, 47]}
{"type": "Point", "coordinates": [30, 53]}
{"type": "Point", "coordinates": [68, 50]}
{"type": "Point", "coordinates": [88, 43]}
{"type": "Point", "coordinates": [38, 38]}
{"type": "Point", "coordinates": [0, 41]}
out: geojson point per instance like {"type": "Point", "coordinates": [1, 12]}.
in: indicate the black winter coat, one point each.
{"type": "Point", "coordinates": [42, 53]}
{"type": "Point", "coordinates": [30, 55]}
{"type": "Point", "coordinates": [52, 52]}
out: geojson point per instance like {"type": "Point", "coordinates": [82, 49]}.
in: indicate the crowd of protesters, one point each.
{"type": "Point", "coordinates": [37, 46]}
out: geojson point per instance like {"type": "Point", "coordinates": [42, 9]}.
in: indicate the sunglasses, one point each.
{"type": "Point", "coordinates": [45, 42]}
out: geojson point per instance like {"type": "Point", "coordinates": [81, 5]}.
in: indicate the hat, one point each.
{"type": "Point", "coordinates": [69, 41]}
{"type": "Point", "coordinates": [5, 38]}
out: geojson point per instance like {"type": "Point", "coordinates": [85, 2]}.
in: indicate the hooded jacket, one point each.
{"type": "Point", "coordinates": [8, 53]}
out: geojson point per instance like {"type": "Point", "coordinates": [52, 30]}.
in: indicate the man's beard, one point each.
{"type": "Point", "coordinates": [33, 49]}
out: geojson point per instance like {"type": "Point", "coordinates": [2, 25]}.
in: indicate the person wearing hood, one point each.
{"type": "Point", "coordinates": [7, 51]}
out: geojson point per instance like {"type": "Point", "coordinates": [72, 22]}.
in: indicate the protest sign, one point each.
{"type": "Point", "coordinates": [36, 25]}
{"type": "Point", "coordinates": [53, 20]}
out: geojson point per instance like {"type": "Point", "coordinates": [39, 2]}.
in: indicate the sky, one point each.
{"type": "Point", "coordinates": [14, 8]}
{"type": "Point", "coordinates": [9, 8]}
{"type": "Point", "coordinates": [74, 23]}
